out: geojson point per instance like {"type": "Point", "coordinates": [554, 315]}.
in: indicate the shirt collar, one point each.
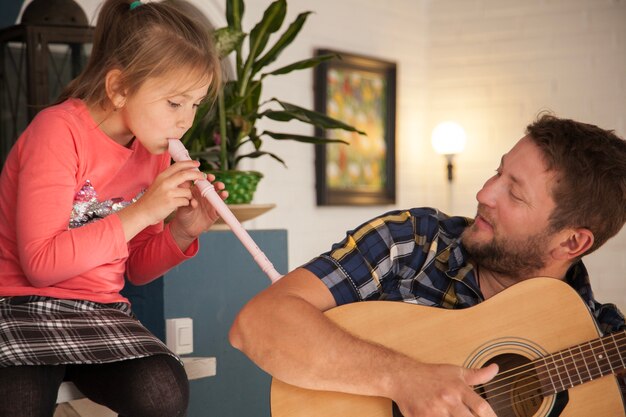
{"type": "Point", "coordinates": [459, 269]}
{"type": "Point", "coordinates": [578, 278]}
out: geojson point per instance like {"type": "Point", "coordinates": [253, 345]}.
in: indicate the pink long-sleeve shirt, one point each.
{"type": "Point", "coordinates": [62, 150]}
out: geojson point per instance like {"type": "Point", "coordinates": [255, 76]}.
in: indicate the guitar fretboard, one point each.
{"type": "Point", "coordinates": [582, 363]}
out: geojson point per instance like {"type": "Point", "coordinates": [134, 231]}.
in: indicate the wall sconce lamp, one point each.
{"type": "Point", "coordinates": [449, 139]}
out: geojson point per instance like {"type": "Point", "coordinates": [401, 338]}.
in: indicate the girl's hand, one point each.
{"type": "Point", "coordinates": [198, 217]}
{"type": "Point", "coordinates": [169, 191]}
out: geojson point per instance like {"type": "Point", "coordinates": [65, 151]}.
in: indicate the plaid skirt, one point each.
{"type": "Point", "coordinates": [38, 330]}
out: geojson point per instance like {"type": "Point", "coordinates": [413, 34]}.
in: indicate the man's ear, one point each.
{"type": "Point", "coordinates": [574, 243]}
{"type": "Point", "coordinates": [114, 90]}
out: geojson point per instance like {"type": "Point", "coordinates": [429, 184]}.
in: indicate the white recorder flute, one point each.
{"type": "Point", "coordinates": [179, 153]}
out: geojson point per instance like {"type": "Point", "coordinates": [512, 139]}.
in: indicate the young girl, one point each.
{"type": "Point", "coordinates": [85, 191]}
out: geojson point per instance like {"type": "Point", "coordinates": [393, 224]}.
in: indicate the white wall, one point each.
{"type": "Point", "coordinates": [491, 65]}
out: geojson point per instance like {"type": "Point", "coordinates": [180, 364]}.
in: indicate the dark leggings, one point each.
{"type": "Point", "coordinates": [155, 386]}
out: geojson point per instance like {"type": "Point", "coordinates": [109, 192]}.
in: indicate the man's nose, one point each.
{"type": "Point", "coordinates": [487, 195]}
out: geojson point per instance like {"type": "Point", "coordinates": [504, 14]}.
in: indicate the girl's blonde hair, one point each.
{"type": "Point", "coordinates": [144, 41]}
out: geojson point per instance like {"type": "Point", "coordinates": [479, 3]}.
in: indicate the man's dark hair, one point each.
{"type": "Point", "coordinates": [590, 166]}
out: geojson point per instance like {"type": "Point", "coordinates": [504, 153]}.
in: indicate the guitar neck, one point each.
{"type": "Point", "coordinates": [582, 363]}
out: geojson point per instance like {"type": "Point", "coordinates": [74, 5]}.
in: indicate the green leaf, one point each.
{"type": "Point", "coordinates": [285, 40]}
{"type": "Point", "coordinates": [231, 99]}
{"type": "Point", "coordinates": [234, 13]}
{"type": "Point", "coordinates": [309, 116]}
{"type": "Point", "coordinates": [300, 138]}
{"type": "Point", "coordinates": [227, 39]}
{"type": "Point", "coordinates": [253, 97]}
{"type": "Point", "coordinates": [209, 154]}
{"type": "Point", "coordinates": [280, 115]}
{"type": "Point", "coordinates": [272, 20]}
{"type": "Point", "coordinates": [242, 107]}
{"type": "Point", "coordinates": [256, 154]}
{"type": "Point", "coordinates": [304, 64]}
{"type": "Point", "coordinates": [203, 109]}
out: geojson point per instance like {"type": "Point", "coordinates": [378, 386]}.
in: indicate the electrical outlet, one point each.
{"type": "Point", "coordinates": [179, 335]}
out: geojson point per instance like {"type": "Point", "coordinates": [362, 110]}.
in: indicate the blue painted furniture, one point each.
{"type": "Point", "coordinates": [211, 288]}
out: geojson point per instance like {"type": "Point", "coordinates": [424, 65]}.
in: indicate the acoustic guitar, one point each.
{"type": "Point", "coordinates": [540, 333]}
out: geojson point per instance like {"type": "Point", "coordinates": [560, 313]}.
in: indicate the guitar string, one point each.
{"type": "Point", "coordinates": [523, 395]}
{"type": "Point", "coordinates": [563, 361]}
{"type": "Point", "coordinates": [580, 353]}
{"type": "Point", "coordinates": [536, 376]}
{"type": "Point", "coordinates": [539, 377]}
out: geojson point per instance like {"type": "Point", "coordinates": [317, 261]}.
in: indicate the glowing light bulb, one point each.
{"type": "Point", "coordinates": [448, 138]}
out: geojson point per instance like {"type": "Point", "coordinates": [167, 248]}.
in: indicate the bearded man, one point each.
{"type": "Point", "coordinates": [557, 195]}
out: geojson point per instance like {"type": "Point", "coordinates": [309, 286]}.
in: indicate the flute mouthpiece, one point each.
{"type": "Point", "coordinates": [177, 150]}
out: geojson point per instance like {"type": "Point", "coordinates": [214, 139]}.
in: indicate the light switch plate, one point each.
{"type": "Point", "coordinates": [179, 335]}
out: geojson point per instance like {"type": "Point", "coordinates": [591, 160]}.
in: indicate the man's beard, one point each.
{"type": "Point", "coordinates": [519, 259]}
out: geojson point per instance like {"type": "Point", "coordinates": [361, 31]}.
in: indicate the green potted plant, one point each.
{"type": "Point", "coordinates": [224, 133]}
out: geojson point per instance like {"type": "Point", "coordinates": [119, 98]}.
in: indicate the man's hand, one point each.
{"type": "Point", "coordinates": [442, 391]}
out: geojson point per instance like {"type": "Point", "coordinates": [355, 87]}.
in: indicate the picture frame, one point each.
{"type": "Point", "coordinates": [359, 91]}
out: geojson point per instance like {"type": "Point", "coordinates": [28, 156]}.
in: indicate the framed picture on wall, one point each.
{"type": "Point", "coordinates": [359, 91]}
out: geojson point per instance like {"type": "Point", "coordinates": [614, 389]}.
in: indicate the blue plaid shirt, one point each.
{"type": "Point", "coordinates": [416, 256]}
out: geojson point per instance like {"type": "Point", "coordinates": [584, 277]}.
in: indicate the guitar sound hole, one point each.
{"type": "Point", "coordinates": [516, 390]}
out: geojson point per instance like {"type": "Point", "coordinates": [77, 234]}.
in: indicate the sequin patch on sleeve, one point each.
{"type": "Point", "coordinates": [87, 208]}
